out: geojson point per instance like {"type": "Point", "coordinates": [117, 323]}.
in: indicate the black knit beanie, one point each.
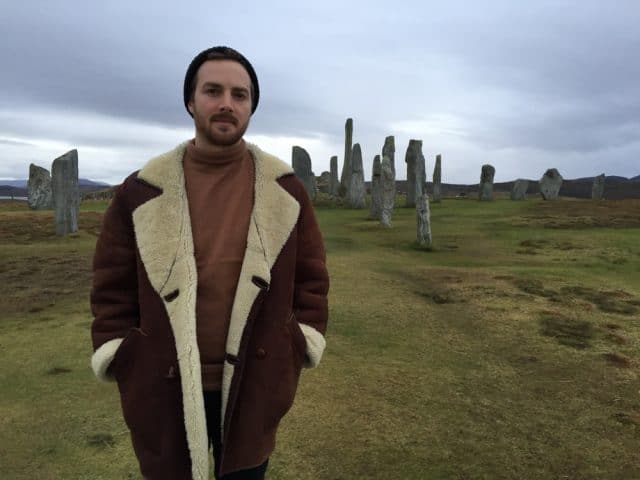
{"type": "Point", "coordinates": [220, 53]}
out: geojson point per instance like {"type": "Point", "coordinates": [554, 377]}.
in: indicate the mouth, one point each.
{"type": "Point", "coordinates": [224, 120]}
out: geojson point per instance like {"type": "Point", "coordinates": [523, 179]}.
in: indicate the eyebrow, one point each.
{"type": "Point", "coordinates": [233, 89]}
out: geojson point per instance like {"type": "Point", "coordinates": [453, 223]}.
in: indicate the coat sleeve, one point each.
{"type": "Point", "coordinates": [311, 282]}
{"type": "Point", "coordinates": [114, 292]}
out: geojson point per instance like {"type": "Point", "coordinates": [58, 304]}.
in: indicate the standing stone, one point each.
{"type": "Point", "coordinates": [411, 176]}
{"type": "Point", "coordinates": [357, 191]}
{"type": "Point", "coordinates": [376, 189]}
{"type": "Point", "coordinates": [421, 173]}
{"type": "Point", "coordinates": [39, 188]}
{"type": "Point", "coordinates": [597, 190]}
{"type": "Point", "coordinates": [66, 192]}
{"type": "Point", "coordinates": [423, 219]}
{"type": "Point", "coordinates": [334, 184]}
{"type": "Point", "coordinates": [416, 175]}
{"type": "Point", "coordinates": [437, 180]}
{"type": "Point", "coordinates": [550, 184]}
{"type": "Point", "coordinates": [388, 184]}
{"type": "Point", "coordinates": [486, 182]}
{"type": "Point", "coordinates": [389, 150]}
{"type": "Point", "coordinates": [345, 178]}
{"type": "Point", "coordinates": [323, 182]}
{"type": "Point", "coordinates": [519, 189]}
{"type": "Point", "coordinates": [301, 163]}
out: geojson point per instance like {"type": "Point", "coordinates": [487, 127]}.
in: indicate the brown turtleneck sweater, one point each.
{"type": "Point", "coordinates": [220, 192]}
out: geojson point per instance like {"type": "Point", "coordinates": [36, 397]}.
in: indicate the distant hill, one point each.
{"type": "Point", "coordinates": [14, 183]}
{"type": "Point", "coordinates": [23, 183]}
{"type": "Point", "coordinates": [85, 182]}
{"type": "Point", "coordinates": [18, 188]}
{"type": "Point", "coordinates": [615, 188]}
{"type": "Point", "coordinates": [611, 178]}
{"type": "Point", "coordinates": [9, 191]}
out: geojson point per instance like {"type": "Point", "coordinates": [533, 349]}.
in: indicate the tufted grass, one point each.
{"type": "Point", "coordinates": [510, 350]}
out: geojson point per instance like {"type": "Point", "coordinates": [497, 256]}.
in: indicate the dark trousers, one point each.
{"type": "Point", "coordinates": [212, 406]}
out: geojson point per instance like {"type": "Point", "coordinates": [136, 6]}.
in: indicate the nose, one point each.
{"type": "Point", "coordinates": [226, 104]}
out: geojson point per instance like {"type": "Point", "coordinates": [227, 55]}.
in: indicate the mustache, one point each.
{"type": "Point", "coordinates": [224, 117]}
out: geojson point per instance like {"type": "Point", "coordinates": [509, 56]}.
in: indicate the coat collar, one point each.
{"type": "Point", "coordinates": [161, 222]}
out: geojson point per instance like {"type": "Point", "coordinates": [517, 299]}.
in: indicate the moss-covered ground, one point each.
{"type": "Point", "coordinates": [509, 350]}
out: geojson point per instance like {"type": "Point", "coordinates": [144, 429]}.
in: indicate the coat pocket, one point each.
{"type": "Point", "coordinates": [298, 340]}
{"type": "Point", "coordinates": [284, 373]}
{"type": "Point", "coordinates": [143, 392]}
{"type": "Point", "coordinates": [125, 354]}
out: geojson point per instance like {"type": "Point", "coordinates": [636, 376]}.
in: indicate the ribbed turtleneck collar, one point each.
{"type": "Point", "coordinates": [233, 154]}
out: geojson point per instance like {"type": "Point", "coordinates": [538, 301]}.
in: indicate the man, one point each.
{"type": "Point", "coordinates": [209, 289]}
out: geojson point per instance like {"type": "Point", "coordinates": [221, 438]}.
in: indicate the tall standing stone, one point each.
{"type": "Point", "coordinates": [437, 180]}
{"type": "Point", "coordinates": [550, 184]}
{"type": "Point", "coordinates": [597, 190]}
{"type": "Point", "coordinates": [421, 173]}
{"type": "Point", "coordinates": [357, 191]}
{"type": "Point", "coordinates": [345, 178]}
{"type": "Point", "coordinates": [388, 184]}
{"type": "Point", "coordinates": [39, 188]}
{"type": "Point", "coordinates": [486, 182]}
{"type": "Point", "coordinates": [66, 192]}
{"type": "Point", "coordinates": [323, 182]}
{"type": "Point", "coordinates": [389, 150]}
{"type": "Point", "coordinates": [334, 184]}
{"type": "Point", "coordinates": [519, 189]}
{"type": "Point", "coordinates": [423, 220]}
{"type": "Point", "coordinates": [301, 163]}
{"type": "Point", "coordinates": [376, 189]}
{"type": "Point", "coordinates": [416, 175]}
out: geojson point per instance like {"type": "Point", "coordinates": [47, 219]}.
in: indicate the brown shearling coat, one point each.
{"type": "Point", "coordinates": [144, 329]}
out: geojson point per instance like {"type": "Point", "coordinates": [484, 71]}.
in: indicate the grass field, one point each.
{"type": "Point", "coordinates": [508, 351]}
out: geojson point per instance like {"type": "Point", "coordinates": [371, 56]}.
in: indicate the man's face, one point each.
{"type": "Point", "coordinates": [221, 103]}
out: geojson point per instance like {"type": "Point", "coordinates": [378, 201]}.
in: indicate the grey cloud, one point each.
{"type": "Point", "coordinates": [556, 76]}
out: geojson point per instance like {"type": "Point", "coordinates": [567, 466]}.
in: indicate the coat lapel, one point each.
{"type": "Point", "coordinates": [163, 234]}
{"type": "Point", "coordinates": [159, 223]}
{"type": "Point", "coordinates": [274, 215]}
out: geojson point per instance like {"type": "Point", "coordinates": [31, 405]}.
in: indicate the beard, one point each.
{"type": "Point", "coordinates": [214, 135]}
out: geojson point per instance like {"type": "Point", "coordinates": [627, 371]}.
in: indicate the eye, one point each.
{"type": "Point", "coordinates": [212, 91]}
{"type": "Point", "coordinates": [240, 95]}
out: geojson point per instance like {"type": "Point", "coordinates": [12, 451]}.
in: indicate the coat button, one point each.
{"type": "Point", "coordinates": [261, 353]}
{"type": "Point", "coordinates": [170, 297]}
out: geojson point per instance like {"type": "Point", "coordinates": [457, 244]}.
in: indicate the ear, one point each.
{"type": "Point", "coordinates": [190, 106]}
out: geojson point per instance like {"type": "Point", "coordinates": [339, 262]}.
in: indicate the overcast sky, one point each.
{"type": "Point", "coordinates": [524, 86]}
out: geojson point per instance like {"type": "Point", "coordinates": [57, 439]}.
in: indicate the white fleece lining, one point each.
{"type": "Point", "coordinates": [315, 345]}
{"type": "Point", "coordinates": [163, 233]}
{"type": "Point", "coordinates": [102, 358]}
{"type": "Point", "coordinates": [158, 223]}
{"type": "Point", "coordinates": [274, 215]}
{"type": "Point", "coordinates": [253, 264]}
